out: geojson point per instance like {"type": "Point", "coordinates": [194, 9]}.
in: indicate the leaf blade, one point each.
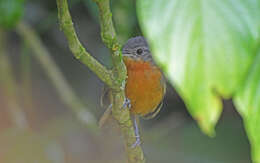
{"type": "Point", "coordinates": [205, 49]}
{"type": "Point", "coordinates": [247, 102]}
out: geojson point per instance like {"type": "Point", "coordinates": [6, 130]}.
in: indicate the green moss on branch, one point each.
{"type": "Point", "coordinates": [76, 47]}
{"type": "Point", "coordinates": [108, 36]}
{"type": "Point", "coordinates": [114, 79]}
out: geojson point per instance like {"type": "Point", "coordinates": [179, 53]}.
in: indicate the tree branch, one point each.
{"type": "Point", "coordinates": [117, 81]}
{"type": "Point", "coordinates": [76, 47]}
{"type": "Point", "coordinates": [135, 155]}
{"type": "Point", "coordinates": [65, 92]}
{"type": "Point", "coordinates": [108, 36]}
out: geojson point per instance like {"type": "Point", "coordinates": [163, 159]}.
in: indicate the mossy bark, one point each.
{"type": "Point", "coordinates": [115, 78]}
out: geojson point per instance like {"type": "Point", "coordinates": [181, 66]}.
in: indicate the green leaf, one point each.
{"type": "Point", "coordinates": [247, 101]}
{"type": "Point", "coordinates": [10, 12]}
{"type": "Point", "coordinates": [205, 48]}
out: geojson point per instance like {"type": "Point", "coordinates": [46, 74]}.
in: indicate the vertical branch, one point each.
{"type": "Point", "coordinates": [135, 155]}
{"type": "Point", "coordinates": [64, 90]}
{"type": "Point", "coordinates": [108, 34]}
{"type": "Point", "coordinates": [117, 78]}
{"type": "Point", "coordinates": [9, 87]}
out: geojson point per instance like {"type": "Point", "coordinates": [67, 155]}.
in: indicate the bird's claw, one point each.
{"type": "Point", "coordinates": [137, 142]}
{"type": "Point", "coordinates": [127, 103]}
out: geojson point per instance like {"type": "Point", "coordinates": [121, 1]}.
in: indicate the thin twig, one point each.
{"type": "Point", "coordinates": [65, 91]}
{"type": "Point", "coordinates": [9, 87]}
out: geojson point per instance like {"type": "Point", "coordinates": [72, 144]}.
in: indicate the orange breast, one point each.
{"type": "Point", "coordinates": [144, 86]}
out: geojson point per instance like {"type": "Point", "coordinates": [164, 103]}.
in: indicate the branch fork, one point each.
{"type": "Point", "coordinates": [114, 78]}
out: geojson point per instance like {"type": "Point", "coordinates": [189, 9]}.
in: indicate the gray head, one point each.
{"type": "Point", "coordinates": [137, 48]}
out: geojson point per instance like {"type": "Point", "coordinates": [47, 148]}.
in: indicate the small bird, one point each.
{"type": "Point", "coordinates": [145, 83]}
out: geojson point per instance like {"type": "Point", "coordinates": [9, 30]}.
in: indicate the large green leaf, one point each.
{"type": "Point", "coordinates": [247, 101]}
{"type": "Point", "coordinates": [205, 48]}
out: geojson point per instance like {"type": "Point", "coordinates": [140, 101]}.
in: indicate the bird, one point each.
{"type": "Point", "coordinates": [145, 84]}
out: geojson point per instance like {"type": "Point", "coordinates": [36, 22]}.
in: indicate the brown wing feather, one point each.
{"type": "Point", "coordinates": [158, 107]}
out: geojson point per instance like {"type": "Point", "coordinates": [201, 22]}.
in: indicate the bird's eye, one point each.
{"type": "Point", "coordinates": [139, 51]}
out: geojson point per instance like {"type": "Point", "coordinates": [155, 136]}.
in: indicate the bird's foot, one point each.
{"type": "Point", "coordinates": [127, 103]}
{"type": "Point", "coordinates": [137, 142]}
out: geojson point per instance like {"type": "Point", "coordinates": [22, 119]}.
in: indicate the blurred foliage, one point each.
{"type": "Point", "coordinates": [27, 147]}
{"type": "Point", "coordinates": [10, 11]}
{"type": "Point", "coordinates": [207, 49]}
{"type": "Point", "coordinates": [124, 16]}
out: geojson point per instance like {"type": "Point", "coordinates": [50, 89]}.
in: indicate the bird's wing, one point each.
{"type": "Point", "coordinates": [159, 106]}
